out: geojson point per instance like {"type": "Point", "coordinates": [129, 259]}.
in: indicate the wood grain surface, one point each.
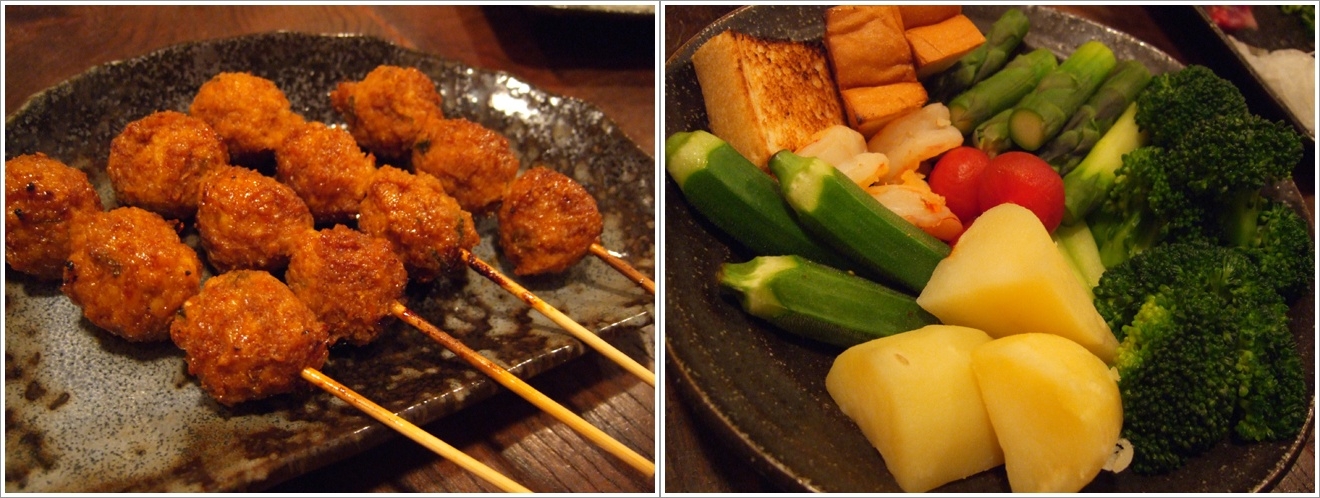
{"type": "Point", "coordinates": [605, 59]}
{"type": "Point", "coordinates": [696, 459]}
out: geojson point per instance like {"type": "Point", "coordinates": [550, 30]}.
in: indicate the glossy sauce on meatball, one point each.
{"type": "Point", "coordinates": [349, 279]}
{"type": "Point", "coordinates": [247, 220]}
{"type": "Point", "coordinates": [129, 272]}
{"type": "Point", "coordinates": [474, 163]}
{"type": "Point", "coordinates": [157, 162]}
{"type": "Point", "coordinates": [547, 222]}
{"type": "Point", "coordinates": [325, 166]}
{"type": "Point", "coordinates": [42, 197]}
{"type": "Point", "coordinates": [424, 225]}
{"type": "Point", "coordinates": [246, 336]}
{"type": "Point", "coordinates": [250, 112]}
{"type": "Point", "coordinates": [385, 109]}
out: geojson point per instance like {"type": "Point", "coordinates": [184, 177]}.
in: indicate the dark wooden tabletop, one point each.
{"type": "Point", "coordinates": [607, 59]}
{"type": "Point", "coordinates": [696, 459]}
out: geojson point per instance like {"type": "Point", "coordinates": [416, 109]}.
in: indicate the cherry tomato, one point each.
{"type": "Point", "coordinates": [955, 177]}
{"type": "Point", "coordinates": [1026, 180]}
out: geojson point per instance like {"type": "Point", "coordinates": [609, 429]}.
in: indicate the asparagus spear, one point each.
{"type": "Point", "coordinates": [1001, 90]}
{"type": "Point", "coordinates": [1003, 38]}
{"type": "Point", "coordinates": [991, 136]}
{"type": "Point", "coordinates": [1085, 187]}
{"type": "Point", "coordinates": [1094, 118]}
{"type": "Point", "coordinates": [1043, 112]}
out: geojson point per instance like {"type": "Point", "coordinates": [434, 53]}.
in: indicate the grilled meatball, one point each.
{"type": "Point", "coordinates": [327, 169]}
{"type": "Point", "coordinates": [130, 272]}
{"type": "Point", "coordinates": [349, 279]}
{"type": "Point", "coordinates": [473, 162]}
{"type": "Point", "coordinates": [547, 222]}
{"type": "Point", "coordinates": [156, 162]}
{"type": "Point", "coordinates": [42, 197]}
{"type": "Point", "coordinates": [385, 109]}
{"type": "Point", "coordinates": [250, 113]}
{"type": "Point", "coordinates": [424, 225]}
{"type": "Point", "coordinates": [247, 220]}
{"type": "Point", "coordinates": [246, 336]}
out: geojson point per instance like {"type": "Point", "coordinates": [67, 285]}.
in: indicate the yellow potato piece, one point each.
{"type": "Point", "coordinates": [1005, 276]}
{"type": "Point", "coordinates": [915, 398]}
{"type": "Point", "coordinates": [1055, 409]}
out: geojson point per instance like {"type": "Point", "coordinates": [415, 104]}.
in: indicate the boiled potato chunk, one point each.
{"type": "Point", "coordinates": [915, 398]}
{"type": "Point", "coordinates": [1005, 276]}
{"type": "Point", "coordinates": [1055, 409]}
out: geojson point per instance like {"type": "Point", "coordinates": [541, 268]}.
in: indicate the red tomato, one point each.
{"type": "Point", "coordinates": [1026, 180]}
{"type": "Point", "coordinates": [955, 178]}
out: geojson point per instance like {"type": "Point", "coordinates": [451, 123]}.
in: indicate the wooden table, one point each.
{"type": "Point", "coordinates": [605, 59]}
{"type": "Point", "coordinates": [696, 460]}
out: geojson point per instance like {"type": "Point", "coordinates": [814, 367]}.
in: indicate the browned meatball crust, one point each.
{"type": "Point", "coordinates": [130, 272]}
{"type": "Point", "coordinates": [246, 336]}
{"type": "Point", "coordinates": [349, 279]}
{"type": "Point", "coordinates": [474, 163]}
{"type": "Point", "coordinates": [42, 197]}
{"type": "Point", "coordinates": [248, 220]}
{"type": "Point", "coordinates": [385, 109]}
{"type": "Point", "coordinates": [156, 162]}
{"type": "Point", "coordinates": [424, 225]}
{"type": "Point", "coordinates": [547, 222]}
{"type": "Point", "coordinates": [249, 112]}
{"type": "Point", "coordinates": [325, 166]}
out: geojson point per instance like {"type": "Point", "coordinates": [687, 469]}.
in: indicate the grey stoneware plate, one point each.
{"type": "Point", "coordinates": [88, 412]}
{"type": "Point", "coordinates": [763, 390]}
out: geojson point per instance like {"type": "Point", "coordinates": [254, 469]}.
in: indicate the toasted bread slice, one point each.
{"type": "Point", "coordinates": [940, 45]}
{"type": "Point", "coordinates": [867, 46]}
{"type": "Point", "coordinates": [915, 16]}
{"type": "Point", "coordinates": [869, 108]}
{"type": "Point", "coordinates": [763, 96]}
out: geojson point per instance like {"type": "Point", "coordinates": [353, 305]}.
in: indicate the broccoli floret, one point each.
{"type": "Point", "coordinates": [1225, 155]}
{"type": "Point", "coordinates": [1143, 208]}
{"type": "Point", "coordinates": [1276, 238]}
{"type": "Point", "coordinates": [1205, 351]}
{"type": "Point", "coordinates": [1174, 102]}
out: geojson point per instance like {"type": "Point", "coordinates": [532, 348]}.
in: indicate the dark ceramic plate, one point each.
{"type": "Point", "coordinates": [764, 391]}
{"type": "Point", "coordinates": [87, 412]}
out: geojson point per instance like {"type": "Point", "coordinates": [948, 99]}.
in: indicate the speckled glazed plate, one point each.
{"type": "Point", "coordinates": [763, 390]}
{"type": "Point", "coordinates": [87, 412]}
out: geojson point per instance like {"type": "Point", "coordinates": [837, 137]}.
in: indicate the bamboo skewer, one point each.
{"type": "Point", "coordinates": [526, 391]}
{"type": "Point", "coordinates": [619, 264]}
{"type": "Point", "coordinates": [574, 328]}
{"type": "Point", "coordinates": [412, 431]}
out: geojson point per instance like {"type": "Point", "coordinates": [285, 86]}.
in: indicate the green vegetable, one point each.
{"type": "Point", "coordinates": [1086, 186]}
{"type": "Point", "coordinates": [1304, 13]}
{"type": "Point", "coordinates": [835, 209]}
{"type": "Point", "coordinates": [1078, 248]}
{"type": "Point", "coordinates": [1204, 351]}
{"type": "Point", "coordinates": [739, 198]}
{"type": "Point", "coordinates": [821, 303]}
{"type": "Point", "coordinates": [1040, 115]}
{"type": "Point", "coordinates": [991, 136]}
{"type": "Point", "coordinates": [1277, 239]}
{"type": "Point", "coordinates": [1000, 91]}
{"type": "Point", "coordinates": [1174, 102]}
{"type": "Point", "coordinates": [1096, 116]}
{"type": "Point", "coordinates": [1003, 38]}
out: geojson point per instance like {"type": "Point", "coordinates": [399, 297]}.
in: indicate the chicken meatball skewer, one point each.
{"type": "Point", "coordinates": [247, 336]}
{"type": "Point", "coordinates": [434, 236]}
{"type": "Point", "coordinates": [354, 283]}
{"type": "Point", "coordinates": [548, 223]}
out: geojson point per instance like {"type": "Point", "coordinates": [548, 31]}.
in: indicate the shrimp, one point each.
{"type": "Point", "coordinates": [845, 149]}
{"type": "Point", "coordinates": [915, 137]}
{"type": "Point", "coordinates": [912, 199]}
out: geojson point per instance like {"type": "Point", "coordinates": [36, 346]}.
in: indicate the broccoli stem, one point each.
{"type": "Point", "coordinates": [1094, 118]}
{"type": "Point", "coordinates": [1040, 115]}
{"type": "Point", "coordinates": [1000, 91]}
{"type": "Point", "coordinates": [1003, 38]}
{"type": "Point", "coordinates": [1086, 186]}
